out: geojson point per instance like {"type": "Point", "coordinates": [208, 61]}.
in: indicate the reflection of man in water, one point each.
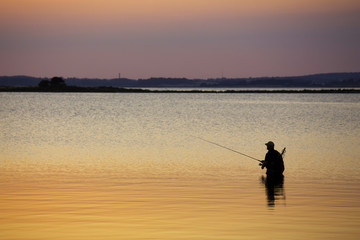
{"type": "Point", "coordinates": [273, 162]}
{"type": "Point", "coordinates": [274, 186]}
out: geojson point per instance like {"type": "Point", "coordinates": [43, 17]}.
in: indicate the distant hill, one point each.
{"type": "Point", "coordinates": [19, 81]}
{"type": "Point", "coordinates": [333, 80]}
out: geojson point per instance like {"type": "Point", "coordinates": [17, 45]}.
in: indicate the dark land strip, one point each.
{"type": "Point", "coordinates": [69, 89]}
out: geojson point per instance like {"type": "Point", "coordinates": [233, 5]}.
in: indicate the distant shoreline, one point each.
{"type": "Point", "coordinates": [336, 80]}
{"type": "Point", "coordinates": [70, 89]}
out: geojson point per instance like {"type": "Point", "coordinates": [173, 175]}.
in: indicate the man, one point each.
{"type": "Point", "coordinates": [273, 161]}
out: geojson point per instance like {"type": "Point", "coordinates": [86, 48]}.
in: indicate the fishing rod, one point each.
{"type": "Point", "coordinates": [283, 152]}
{"type": "Point", "coordinates": [228, 148]}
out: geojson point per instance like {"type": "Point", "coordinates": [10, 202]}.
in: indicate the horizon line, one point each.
{"type": "Point", "coordinates": [223, 77]}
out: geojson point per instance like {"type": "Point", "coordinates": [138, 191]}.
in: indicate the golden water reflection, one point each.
{"type": "Point", "coordinates": [123, 166]}
{"type": "Point", "coordinates": [159, 203]}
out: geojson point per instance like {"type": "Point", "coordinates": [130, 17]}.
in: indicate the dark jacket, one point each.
{"type": "Point", "coordinates": [274, 162]}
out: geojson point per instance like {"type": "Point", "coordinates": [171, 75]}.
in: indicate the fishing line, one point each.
{"type": "Point", "coordinates": [227, 148]}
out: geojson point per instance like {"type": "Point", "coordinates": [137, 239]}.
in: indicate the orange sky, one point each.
{"type": "Point", "coordinates": [178, 38]}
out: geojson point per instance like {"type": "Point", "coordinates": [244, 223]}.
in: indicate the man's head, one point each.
{"type": "Point", "coordinates": [270, 145]}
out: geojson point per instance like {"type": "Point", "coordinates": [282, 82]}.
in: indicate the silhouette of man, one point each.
{"type": "Point", "coordinates": [273, 162]}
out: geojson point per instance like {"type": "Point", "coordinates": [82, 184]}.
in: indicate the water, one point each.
{"type": "Point", "coordinates": [126, 166]}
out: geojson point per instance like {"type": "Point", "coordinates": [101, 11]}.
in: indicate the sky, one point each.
{"type": "Point", "coordinates": [178, 38]}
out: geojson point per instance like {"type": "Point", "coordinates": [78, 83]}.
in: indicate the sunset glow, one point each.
{"type": "Point", "coordinates": [146, 38]}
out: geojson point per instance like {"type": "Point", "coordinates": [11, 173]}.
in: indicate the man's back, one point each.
{"type": "Point", "coordinates": [274, 162]}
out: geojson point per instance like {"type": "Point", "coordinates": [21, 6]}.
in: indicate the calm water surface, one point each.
{"type": "Point", "coordinates": [127, 166]}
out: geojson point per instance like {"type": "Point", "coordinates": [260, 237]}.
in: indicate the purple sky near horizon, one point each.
{"type": "Point", "coordinates": [178, 38]}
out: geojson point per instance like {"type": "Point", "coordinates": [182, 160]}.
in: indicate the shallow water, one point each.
{"type": "Point", "coordinates": [127, 166]}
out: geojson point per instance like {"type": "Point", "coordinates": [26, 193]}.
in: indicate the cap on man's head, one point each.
{"type": "Point", "coordinates": [270, 144]}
